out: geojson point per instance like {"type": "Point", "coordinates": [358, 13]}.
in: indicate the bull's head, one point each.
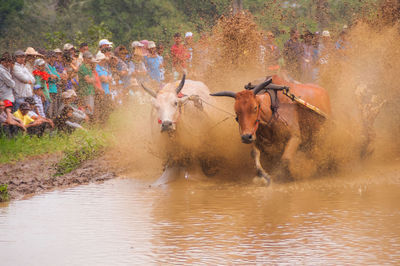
{"type": "Point", "coordinates": [247, 109]}
{"type": "Point", "coordinates": [167, 103]}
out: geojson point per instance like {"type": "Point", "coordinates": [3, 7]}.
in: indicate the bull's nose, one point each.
{"type": "Point", "coordinates": [166, 125]}
{"type": "Point", "coordinates": [247, 138]}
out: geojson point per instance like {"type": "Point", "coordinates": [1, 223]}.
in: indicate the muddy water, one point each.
{"type": "Point", "coordinates": [337, 220]}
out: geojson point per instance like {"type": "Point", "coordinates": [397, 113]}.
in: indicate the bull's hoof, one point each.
{"type": "Point", "coordinates": [261, 181]}
{"type": "Point", "coordinates": [282, 173]}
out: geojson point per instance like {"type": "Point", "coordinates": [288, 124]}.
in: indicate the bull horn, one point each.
{"type": "Point", "coordinates": [225, 93]}
{"type": "Point", "coordinates": [149, 91]}
{"type": "Point", "coordinates": [178, 90]}
{"type": "Point", "coordinates": [262, 85]}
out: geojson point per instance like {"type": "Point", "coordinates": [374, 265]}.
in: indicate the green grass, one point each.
{"type": "Point", "coordinates": [24, 146]}
{"type": "Point", "coordinates": [86, 146]}
{"type": "Point", "coordinates": [4, 193]}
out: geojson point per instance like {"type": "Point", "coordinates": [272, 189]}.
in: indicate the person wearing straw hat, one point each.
{"type": "Point", "coordinates": [31, 55]}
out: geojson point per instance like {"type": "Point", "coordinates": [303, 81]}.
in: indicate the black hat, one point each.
{"type": "Point", "coordinates": [25, 106]}
{"type": "Point", "coordinates": [30, 100]}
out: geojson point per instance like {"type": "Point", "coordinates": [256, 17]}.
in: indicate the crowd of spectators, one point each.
{"type": "Point", "coordinates": [66, 89]}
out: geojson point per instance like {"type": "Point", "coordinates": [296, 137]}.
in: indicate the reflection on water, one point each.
{"type": "Point", "coordinates": [122, 221]}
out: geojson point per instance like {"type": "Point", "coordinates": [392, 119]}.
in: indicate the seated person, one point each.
{"type": "Point", "coordinates": [34, 113]}
{"type": "Point", "coordinates": [9, 124]}
{"type": "Point", "coordinates": [63, 121]}
{"type": "Point", "coordinates": [69, 98]}
{"type": "Point", "coordinates": [34, 127]}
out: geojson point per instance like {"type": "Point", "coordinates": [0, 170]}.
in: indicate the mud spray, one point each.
{"type": "Point", "coordinates": [371, 59]}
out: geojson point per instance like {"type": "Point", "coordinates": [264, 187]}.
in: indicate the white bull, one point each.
{"type": "Point", "coordinates": [169, 101]}
{"type": "Point", "coordinates": [183, 116]}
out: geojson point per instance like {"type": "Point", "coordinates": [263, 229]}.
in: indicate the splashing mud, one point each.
{"type": "Point", "coordinates": [370, 60]}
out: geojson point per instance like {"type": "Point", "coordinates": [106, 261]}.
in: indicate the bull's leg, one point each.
{"type": "Point", "coordinates": [284, 173]}
{"type": "Point", "coordinates": [170, 174]}
{"type": "Point", "coordinates": [255, 153]}
{"type": "Point", "coordinates": [291, 148]}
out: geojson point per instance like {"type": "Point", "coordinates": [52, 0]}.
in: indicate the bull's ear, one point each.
{"type": "Point", "coordinates": [225, 93]}
{"type": "Point", "coordinates": [148, 90]}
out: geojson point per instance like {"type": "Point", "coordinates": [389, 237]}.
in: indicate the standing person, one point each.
{"type": "Point", "coordinates": [23, 78]}
{"type": "Point", "coordinates": [293, 55]}
{"type": "Point", "coordinates": [70, 49]}
{"type": "Point", "coordinates": [87, 82]}
{"type": "Point", "coordinates": [7, 83]}
{"type": "Point", "coordinates": [325, 47]}
{"type": "Point", "coordinates": [165, 59]}
{"type": "Point", "coordinates": [41, 78]}
{"type": "Point", "coordinates": [189, 47]}
{"type": "Point", "coordinates": [105, 78]}
{"type": "Point", "coordinates": [308, 62]}
{"type": "Point", "coordinates": [39, 98]}
{"type": "Point", "coordinates": [123, 78]}
{"type": "Point", "coordinates": [31, 56]}
{"type": "Point", "coordinates": [179, 56]}
{"type": "Point", "coordinates": [83, 47]}
{"type": "Point", "coordinates": [272, 54]}
{"type": "Point", "coordinates": [153, 63]}
{"type": "Point", "coordinates": [137, 67]}
{"type": "Point", "coordinates": [54, 77]}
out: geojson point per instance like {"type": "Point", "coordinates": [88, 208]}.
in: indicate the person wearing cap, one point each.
{"type": "Point", "coordinates": [325, 47]}
{"type": "Point", "coordinates": [69, 48]}
{"type": "Point", "coordinates": [41, 78]}
{"type": "Point", "coordinates": [189, 47]}
{"type": "Point", "coordinates": [105, 43]}
{"type": "Point", "coordinates": [104, 73]}
{"type": "Point", "coordinates": [7, 83]}
{"type": "Point", "coordinates": [293, 54]}
{"type": "Point", "coordinates": [54, 78]}
{"type": "Point", "coordinates": [179, 55]}
{"type": "Point", "coordinates": [69, 98]}
{"type": "Point", "coordinates": [137, 67]}
{"type": "Point", "coordinates": [9, 124]}
{"type": "Point", "coordinates": [153, 63]}
{"type": "Point", "coordinates": [87, 82]}
{"type": "Point", "coordinates": [24, 79]}
{"type": "Point", "coordinates": [39, 98]}
{"type": "Point", "coordinates": [137, 48]}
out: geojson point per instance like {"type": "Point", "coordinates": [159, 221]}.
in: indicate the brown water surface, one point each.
{"type": "Point", "coordinates": [342, 220]}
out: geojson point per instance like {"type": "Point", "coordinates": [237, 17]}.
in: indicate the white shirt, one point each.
{"type": "Point", "coordinates": [22, 76]}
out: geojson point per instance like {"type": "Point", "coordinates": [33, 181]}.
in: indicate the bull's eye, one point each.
{"type": "Point", "coordinates": [255, 109]}
{"type": "Point", "coordinates": [176, 103]}
{"type": "Point", "coordinates": [237, 119]}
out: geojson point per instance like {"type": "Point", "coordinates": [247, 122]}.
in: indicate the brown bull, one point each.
{"type": "Point", "coordinates": [265, 119]}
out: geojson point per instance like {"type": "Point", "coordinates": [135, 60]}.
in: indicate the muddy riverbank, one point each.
{"type": "Point", "coordinates": [37, 174]}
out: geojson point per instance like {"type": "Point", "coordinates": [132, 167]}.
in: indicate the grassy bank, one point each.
{"type": "Point", "coordinates": [76, 144]}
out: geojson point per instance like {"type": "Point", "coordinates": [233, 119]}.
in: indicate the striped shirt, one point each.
{"type": "Point", "coordinates": [39, 105]}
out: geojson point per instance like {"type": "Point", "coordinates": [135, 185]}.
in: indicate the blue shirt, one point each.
{"type": "Point", "coordinates": [154, 70]}
{"type": "Point", "coordinates": [102, 71]}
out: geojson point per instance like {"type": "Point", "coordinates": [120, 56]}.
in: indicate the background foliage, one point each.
{"type": "Point", "coordinates": [51, 23]}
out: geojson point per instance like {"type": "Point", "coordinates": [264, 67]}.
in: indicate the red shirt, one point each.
{"type": "Point", "coordinates": [179, 55]}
